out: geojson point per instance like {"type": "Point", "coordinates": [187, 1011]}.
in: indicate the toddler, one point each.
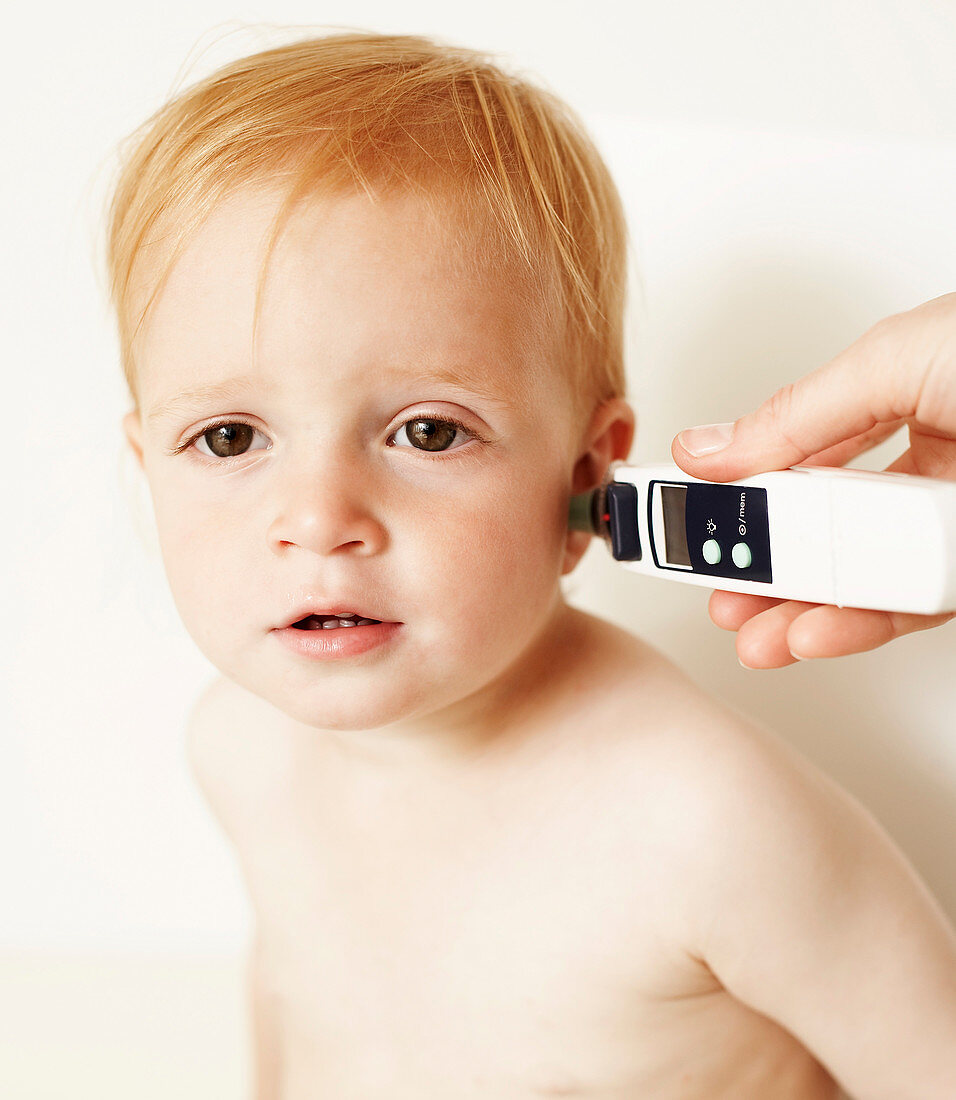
{"type": "Point", "coordinates": [370, 294]}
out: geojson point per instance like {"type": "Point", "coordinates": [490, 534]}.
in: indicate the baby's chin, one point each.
{"type": "Point", "coordinates": [351, 715]}
{"type": "Point", "coordinates": [345, 704]}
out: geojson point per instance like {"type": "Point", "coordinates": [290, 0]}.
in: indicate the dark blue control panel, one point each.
{"type": "Point", "coordinates": [713, 530]}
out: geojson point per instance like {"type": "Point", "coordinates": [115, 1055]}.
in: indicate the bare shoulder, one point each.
{"type": "Point", "coordinates": [656, 706]}
{"type": "Point", "coordinates": [753, 836]}
{"type": "Point", "coordinates": [728, 804]}
{"type": "Point", "coordinates": [237, 751]}
{"type": "Point", "coordinates": [715, 779]}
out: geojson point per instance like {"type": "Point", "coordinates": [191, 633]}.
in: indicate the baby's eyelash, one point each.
{"type": "Point", "coordinates": [187, 443]}
{"type": "Point", "coordinates": [443, 419]}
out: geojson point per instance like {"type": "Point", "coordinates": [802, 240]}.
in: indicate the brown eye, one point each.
{"type": "Point", "coordinates": [228, 440]}
{"type": "Point", "coordinates": [429, 435]}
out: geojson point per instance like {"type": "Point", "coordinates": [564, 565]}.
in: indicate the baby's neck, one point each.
{"type": "Point", "coordinates": [495, 724]}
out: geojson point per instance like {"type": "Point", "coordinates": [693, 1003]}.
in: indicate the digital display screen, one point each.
{"type": "Point", "coordinates": [674, 506]}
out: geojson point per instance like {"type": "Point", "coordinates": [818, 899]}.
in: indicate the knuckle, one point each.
{"type": "Point", "coordinates": [781, 403]}
{"type": "Point", "coordinates": [780, 411]}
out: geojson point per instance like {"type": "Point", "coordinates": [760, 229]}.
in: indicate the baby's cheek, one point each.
{"type": "Point", "coordinates": [507, 563]}
{"type": "Point", "coordinates": [205, 574]}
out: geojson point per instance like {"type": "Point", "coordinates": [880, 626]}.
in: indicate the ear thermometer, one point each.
{"type": "Point", "coordinates": [819, 534]}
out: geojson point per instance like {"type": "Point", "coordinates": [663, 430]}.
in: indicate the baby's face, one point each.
{"type": "Point", "coordinates": [401, 448]}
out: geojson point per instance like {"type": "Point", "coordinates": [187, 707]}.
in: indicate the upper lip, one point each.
{"type": "Point", "coordinates": [329, 607]}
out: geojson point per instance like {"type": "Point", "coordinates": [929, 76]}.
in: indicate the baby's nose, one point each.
{"type": "Point", "coordinates": [328, 509]}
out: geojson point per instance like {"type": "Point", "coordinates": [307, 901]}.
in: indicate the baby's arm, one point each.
{"type": "Point", "coordinates": [810, 915]}
{"type": "Point", "coordinates": [265, 1033]}
{"type": "Point", "coordinates": [220, 767]}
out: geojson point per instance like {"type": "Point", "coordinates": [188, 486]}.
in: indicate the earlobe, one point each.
{"type": "Point", "coordinates": [574, 550]}
{"type": "Point", "coordinates": [133, 430]}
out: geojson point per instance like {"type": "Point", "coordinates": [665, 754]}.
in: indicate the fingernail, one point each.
{"type": "Point", "coordinates": [706, 439]}
{"type": "Point", "coordinates": [749, 668]}
{"type": "Point", "coordinates": [798, 657]}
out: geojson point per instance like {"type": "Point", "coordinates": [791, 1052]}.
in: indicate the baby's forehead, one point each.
{"type": "Point", "coordinates": [256, 218]}
{"type": "Point", "coordinates": [346, 268]}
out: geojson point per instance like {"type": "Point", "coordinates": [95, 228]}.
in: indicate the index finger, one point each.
{"type": "Point", "coordinates": [858, 393]}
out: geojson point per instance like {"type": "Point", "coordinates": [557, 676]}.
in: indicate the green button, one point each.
{"type": "Point", "coordinates": [711, 551]}
{"type": "Point", "coordinates": [741, 555]}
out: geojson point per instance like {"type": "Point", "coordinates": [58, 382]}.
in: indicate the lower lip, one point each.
{"type": "Point", "coordinates": [340, 641]}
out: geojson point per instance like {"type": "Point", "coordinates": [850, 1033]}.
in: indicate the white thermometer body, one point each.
{"type": "Point", "coordinates": [814, 533]}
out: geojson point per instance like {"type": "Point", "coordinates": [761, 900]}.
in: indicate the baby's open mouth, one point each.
{"type": "Point", "coordinates": [332, 622]}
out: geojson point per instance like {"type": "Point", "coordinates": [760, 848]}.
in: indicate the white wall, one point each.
{"type": "Point", "coordinates": [789, 172]}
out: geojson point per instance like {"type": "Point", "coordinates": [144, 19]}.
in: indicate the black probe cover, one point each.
{"type": "Point", "coordinates": [620, 504]}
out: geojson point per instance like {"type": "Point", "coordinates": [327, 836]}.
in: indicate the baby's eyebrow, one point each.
{"type": "Point", "coordinates": [190, 398]}
{"type": "Point", "coordinates": [468, 381]}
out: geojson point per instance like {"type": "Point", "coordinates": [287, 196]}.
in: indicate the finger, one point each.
{"type": "Point", "coordinates": [730, 610]}
{"type": "Point", "coordinates": [930, 454]}
{"type": "Point", "coordinates": [861, 389]}
{"type": "Point", "coordinates": [762, 641]}
{"type": "Point", "coordinates": [828, 631]}
{"type": "Point", "coordinates": [849, 449]}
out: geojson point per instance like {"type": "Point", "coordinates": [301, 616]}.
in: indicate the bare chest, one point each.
{"type": "Point", "coordinates": [485, 949]}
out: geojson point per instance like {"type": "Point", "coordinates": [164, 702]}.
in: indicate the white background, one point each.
{"type": "Point", "coordinates": [789, 172]}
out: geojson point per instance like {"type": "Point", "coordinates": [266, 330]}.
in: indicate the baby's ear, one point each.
{"type": "Point", "coordinates": [608, 439]}
{"type": "Point", "coordinates": [133, 429]}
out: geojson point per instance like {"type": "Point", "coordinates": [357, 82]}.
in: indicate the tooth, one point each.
{"type": "Point", "coordinates": [347, 622]}
{"type": "Point", "coordinates": [365, 622]}
{"type": "Point", "coordinates": [329, 624]}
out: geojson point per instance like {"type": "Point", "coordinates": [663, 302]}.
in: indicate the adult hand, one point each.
{"type": "Point", "coordinates": [902, 371]}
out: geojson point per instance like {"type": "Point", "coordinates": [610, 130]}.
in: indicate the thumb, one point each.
{"type": "Point", "coordinates": [855, 396]}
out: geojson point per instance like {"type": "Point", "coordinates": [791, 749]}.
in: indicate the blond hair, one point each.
{"type": "Point", "coordinates": [373, 112]}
